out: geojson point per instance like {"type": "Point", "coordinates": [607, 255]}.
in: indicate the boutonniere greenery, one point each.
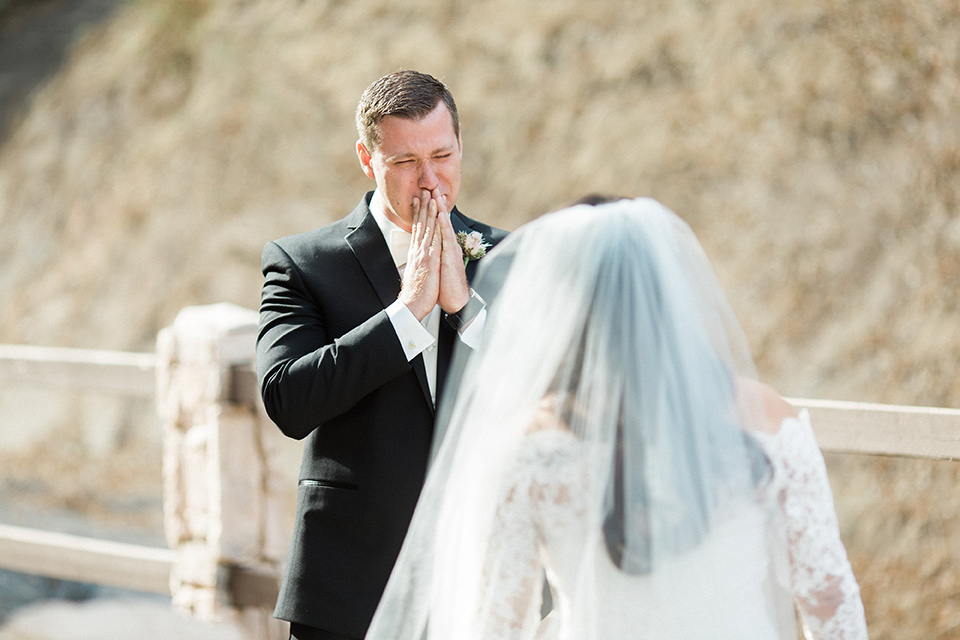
{"type": "Point", "coordinates": [472, 245]}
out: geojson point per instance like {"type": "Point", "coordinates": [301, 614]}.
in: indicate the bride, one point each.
{"type": "Point", "coordinates": [610, 438]}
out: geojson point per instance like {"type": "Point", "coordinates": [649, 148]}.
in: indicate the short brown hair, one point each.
{"type": "Point", "coordinates": [404, 94]}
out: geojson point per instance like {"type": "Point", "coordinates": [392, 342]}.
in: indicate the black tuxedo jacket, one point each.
{"type": "Point", "coordinates": [332, 370]}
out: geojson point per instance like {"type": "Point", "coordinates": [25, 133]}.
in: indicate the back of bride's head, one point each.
{"type": "Point", "coordinates": [609, 283]}
{"type": "Point", "coordinates": [610, 315]}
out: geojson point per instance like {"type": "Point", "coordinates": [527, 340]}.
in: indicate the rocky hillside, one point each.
{"type": "Point", "coordinates": [814, 147]}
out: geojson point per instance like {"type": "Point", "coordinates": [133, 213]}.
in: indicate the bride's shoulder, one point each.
{"type": "Point", "coordinates": [753, 393]}
{"type": "Point", "coordinates": [546, 418]}
{"type": "Point", "coordinates": [548, 439]}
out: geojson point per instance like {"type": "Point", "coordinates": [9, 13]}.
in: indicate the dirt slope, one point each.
{"type": "Point", "coordinates": [814, 148]}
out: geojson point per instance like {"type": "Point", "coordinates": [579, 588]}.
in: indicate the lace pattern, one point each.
{"type": "Point", "coordinates": [539, 499]}
{"type": "Point", "coordinates": [821, 578]}
{"type": "Point", "coordinates": [543, 513]}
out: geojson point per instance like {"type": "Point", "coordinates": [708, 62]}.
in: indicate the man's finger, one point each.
{"type": "Point", "coordinates": [416, 230]}
{"type": "Point", "coordinates": [441, 201]}
{"type": "Point", "coordinates": [450, 236]}
{"type": "Point", "coordinates": [432, 222]}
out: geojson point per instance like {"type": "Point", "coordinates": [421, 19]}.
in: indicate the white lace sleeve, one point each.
{"type": "Point", "coordinates": [514, 579]}
{"type": "Point", "coordinates": [821, 577]}
{"type": "Point", "coordinates": [539, 495]}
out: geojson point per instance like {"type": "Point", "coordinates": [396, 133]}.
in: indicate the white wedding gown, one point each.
{"type": "Point", "coordinates": [541, 527]}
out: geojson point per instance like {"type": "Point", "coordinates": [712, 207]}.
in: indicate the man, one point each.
{"type": "Point", "coordinates": [357, 323]}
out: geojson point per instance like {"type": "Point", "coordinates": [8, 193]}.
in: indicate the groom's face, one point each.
{"type": "Point", "coordinates": [414, 155]}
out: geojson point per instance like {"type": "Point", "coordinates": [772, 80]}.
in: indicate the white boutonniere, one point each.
{"type": "Point", "coordinates": [472, 245]}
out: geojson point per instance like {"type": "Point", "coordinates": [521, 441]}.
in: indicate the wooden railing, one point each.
{"type": "Point", "coordinates": [224, 497]}
{"type": "Point", "coordinates": [230, 560]}
{"type": "Point", "coordinates": [882, 429]}
{"type": "Point", "coordinates": [130, 374]}
{"type": "Point", "coordinates": [88, 560]}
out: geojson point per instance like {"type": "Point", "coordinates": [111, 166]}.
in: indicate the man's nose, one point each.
{"type": "Point", "coordinates": [428, 177]}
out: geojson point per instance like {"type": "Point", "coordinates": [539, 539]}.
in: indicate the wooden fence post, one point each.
{"type": "Point", "coordinates": [224, 510]}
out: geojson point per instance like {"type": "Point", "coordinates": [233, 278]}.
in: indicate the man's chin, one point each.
{"type": "Point", "coordinates": [405, 223]}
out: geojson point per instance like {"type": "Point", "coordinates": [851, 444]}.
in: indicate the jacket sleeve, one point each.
{"type": "Point", "coordinates": [307, 376]}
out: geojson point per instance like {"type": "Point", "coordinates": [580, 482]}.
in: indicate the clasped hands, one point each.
{"type": "Point", "coordinates": [435, 271]}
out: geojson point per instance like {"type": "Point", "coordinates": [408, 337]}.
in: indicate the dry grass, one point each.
{"type": "Point", "coordinates": [815, 148]}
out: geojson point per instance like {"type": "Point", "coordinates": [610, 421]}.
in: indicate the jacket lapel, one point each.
{"type": "Point", "coordinates": [367, 243]}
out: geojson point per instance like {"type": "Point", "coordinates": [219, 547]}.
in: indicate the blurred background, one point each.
{"type": "Point", "coordinates": [149, 149]}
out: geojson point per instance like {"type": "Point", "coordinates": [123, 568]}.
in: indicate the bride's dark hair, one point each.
{"type": "Point", "coordinates": [614, 524]}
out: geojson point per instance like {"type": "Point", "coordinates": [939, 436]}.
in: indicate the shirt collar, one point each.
{"type": "Point", "coordinates": [379, 214]}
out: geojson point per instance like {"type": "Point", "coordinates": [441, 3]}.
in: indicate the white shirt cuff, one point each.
{"type": "Point", "coordinates": [414, 337]}
{"type": "Point", "coordinates": [472, 334]}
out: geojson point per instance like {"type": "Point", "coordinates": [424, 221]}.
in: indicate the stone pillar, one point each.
{"type": "Point", "coordinates": [224, 496]}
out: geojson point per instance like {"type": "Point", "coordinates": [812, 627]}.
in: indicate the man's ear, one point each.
{"type": "Point", "coordinates": [366, 160]}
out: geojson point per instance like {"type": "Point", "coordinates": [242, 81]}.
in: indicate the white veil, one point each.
{"type": "Point", "coordinates": [603, 407]}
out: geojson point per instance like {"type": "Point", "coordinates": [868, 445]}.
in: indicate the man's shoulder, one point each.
{"type": "Point", "coordinates": [322, 235]}
{"type": "Point", "coordinates": [325, 238]}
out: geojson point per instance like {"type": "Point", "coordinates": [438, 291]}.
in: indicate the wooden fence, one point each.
{"type": "Point", "coordinates": [226, 496]}
{"type": "Point", "coordinates": [223, 490]}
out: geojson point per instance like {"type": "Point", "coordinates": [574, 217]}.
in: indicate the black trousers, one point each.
{"type": "Point", "coordinates": [303, 632]}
